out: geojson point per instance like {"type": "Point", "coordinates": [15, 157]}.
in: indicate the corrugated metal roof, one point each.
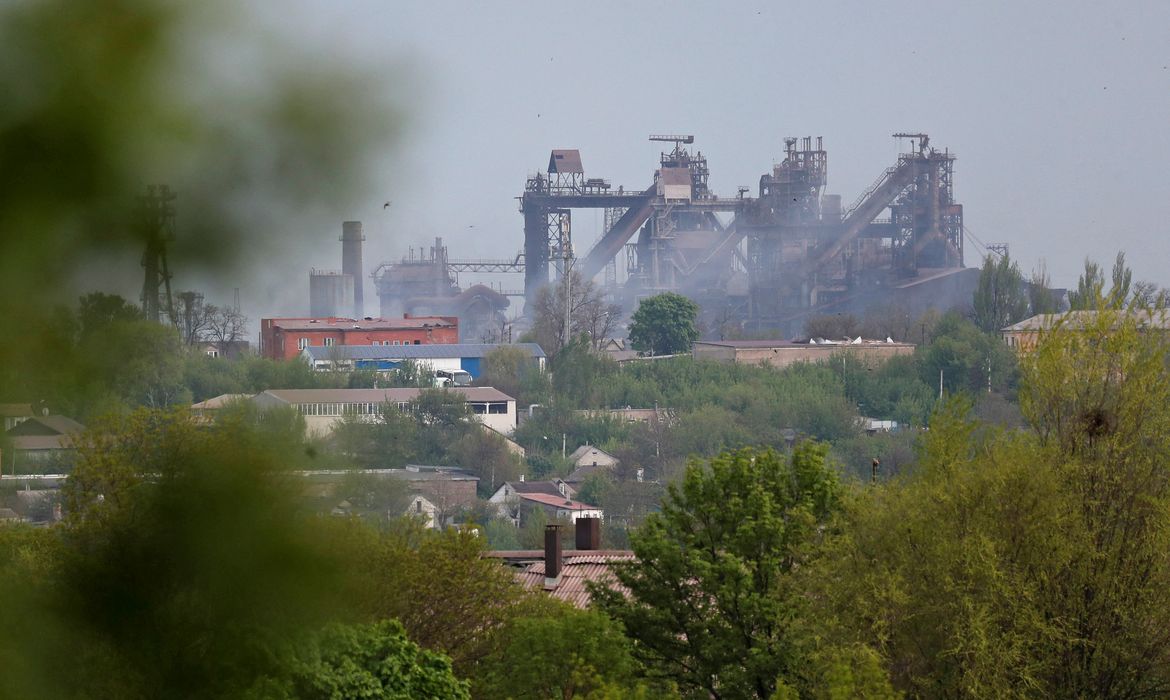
{"type": "Point", "coordinates": [564, 161]}
{"type": "Point", "coordinates": [436, 351]}
{"type": "Point", "coordinates": [376, 324]}
{"type": "Point", "coordinates": [393, 395]}
{"type": "Point", "coordinates": [575, 573]}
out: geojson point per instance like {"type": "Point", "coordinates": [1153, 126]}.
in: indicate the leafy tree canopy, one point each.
{"type": "Point", "coordinates": [664, 324]}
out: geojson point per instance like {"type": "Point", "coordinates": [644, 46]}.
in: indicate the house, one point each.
{"type": "Point", "coordinates": [323, 409]}
{"type": "Point", "coordinates": [564, 574]}
{"type": "Point", "coordinates": [386, 358]}
{"type": "Point", "coordinates": [557, 507]}
{"type": "Point", "coordinates": [1024, 336]}
{"type": "Point", "coordinates": [45, 440]}
{"type": "Point", "coordinates": [587, 461]}
{"type": "Point", "coordinates": [285, 338]}
{"type": "Point", "coordinates": [590, 455]}
{"type": "Point", "coordinates": [15, 413]}
{"type": "Point", "coordinates": [508, 497]}
{"type": "Point", "coordinates": [446, 488]}
{"type": "Point", "coordinates": [779, 354]}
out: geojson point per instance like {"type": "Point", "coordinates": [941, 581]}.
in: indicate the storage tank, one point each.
{"type": "Point", "coordinates": [331, 293]}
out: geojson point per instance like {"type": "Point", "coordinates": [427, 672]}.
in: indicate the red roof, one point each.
{"type": "Point", "coordinates": [556, 501]}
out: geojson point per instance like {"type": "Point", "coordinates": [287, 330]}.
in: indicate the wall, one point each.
{"type": "Point", "coordinates": [866, 355]}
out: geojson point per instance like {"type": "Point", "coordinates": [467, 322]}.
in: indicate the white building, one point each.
{"type": "Point", "coordinates": [323, 409]}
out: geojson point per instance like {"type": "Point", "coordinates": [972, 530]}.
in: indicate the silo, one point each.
{"type": "Point", "coordinates": [351, 262]}
{"type": "Point", "coordinates": [330, 293]}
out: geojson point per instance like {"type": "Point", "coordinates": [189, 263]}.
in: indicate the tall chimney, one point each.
{"type": "Point", "coordinates": [588, 533]}
{"type": "Point", "coordinates": [552, 556]}
{"type": "Point", "coordinates": [351, 263]}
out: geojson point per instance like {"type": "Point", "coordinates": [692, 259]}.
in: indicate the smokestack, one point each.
{"type": "Point", "coordinates": [351, 263]}
{"type": "Point", "coordinates": [588, 533]}
{"type": "Point", "coordinates": [552, 556]}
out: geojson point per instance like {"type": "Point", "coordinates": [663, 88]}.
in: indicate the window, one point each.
{"type": "Point", "coordinates": [418, 342]}
{"type": "Point", "coordinates": [302, 343]}
{"type": "Point", "coordinates": [329, 342]}
{"type": "Point", "coordinates": [479, 408]}
{"type": "Point", "coordinates": [213, 353]}
{"type": "Point", "coordinates": [397, 342]}
{"type": "Point", "coordinates": [498, 407]}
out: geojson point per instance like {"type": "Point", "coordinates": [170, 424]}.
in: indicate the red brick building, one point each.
{"type": "Point", "coordinates": [284, 338]}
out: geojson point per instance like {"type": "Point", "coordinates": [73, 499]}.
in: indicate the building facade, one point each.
{"type": "Point", "coordinates": [323, 409]}
{"type": "Point", "coordinates": [286, 338]}
{"type": "Point", "coordinates": [779, 354]}
{"type": "Point", "coordinates": [383, 358]}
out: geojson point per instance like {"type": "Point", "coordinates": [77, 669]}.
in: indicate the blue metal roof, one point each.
{"type": "Point", "coordinates": [414, 352]}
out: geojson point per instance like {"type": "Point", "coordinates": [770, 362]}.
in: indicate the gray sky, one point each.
{"type": "Point", "coordinates": [1059, 111]}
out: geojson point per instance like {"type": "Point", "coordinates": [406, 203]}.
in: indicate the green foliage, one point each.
{"type": "Point", "coordinates": [961, 352]}
{"type": "Point", "coordinates": [1026, 563]}
{"type": "Point", "coordinates": [517, 374]}
{"type": "Point", "coordinates": [664, 324]}
{"type": "Point", "coordinates": [181, 557]}
{"type": "Point", "coordinates": [564, 653]}
{"type": "Point", "coordinates": [711, 603]}
{"type": "Point", "coordinates": [1000, 298]}
{"type": "Point", "coordinates": [374, 661]}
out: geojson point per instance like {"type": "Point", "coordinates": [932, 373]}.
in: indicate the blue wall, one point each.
{"type": "Point", "coordinates": [471, 366]}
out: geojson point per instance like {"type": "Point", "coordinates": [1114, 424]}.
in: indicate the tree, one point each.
{"type": "Point", "coordinates": [589, 314]}
{"type": "Point", "coordinates": [1000, 298]}
{"type": "Point", "coordinates": [1090, 292]}
{"type": "Point", "coordinates": [1026, 563]}
{"type": "Point", "coordinates": [516, 373]}
{"type": "Point", "coordinates": [191, 317]}
{"type": "Point", "coordinates": [711, 601]}
{"type": "Point", "coordinates": [1040, 296]}
{"type": "Point", "coordinates": [664, 324]}
{"type": "Point", "coordinates": [562, 653]}
{"type": "Point", "coordinates": [375, 661]}
{"type": "Point", "coordinates": [225, 326]}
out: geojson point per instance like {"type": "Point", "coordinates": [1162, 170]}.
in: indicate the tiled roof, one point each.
{"type": "Point", "coordinates": [575, 572]}
{"type": "Point", "coordinates": [414, 352]}
{"type": "Point", "coordinates": [392, 395]}
{"type": "Point", "coordinates": [557, 501]}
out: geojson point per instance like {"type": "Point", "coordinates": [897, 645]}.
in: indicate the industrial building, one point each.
{"type": "Point", "coordinates": [427, 283]}
{"type": "Point", "coordinates": [779, 354]}
{"type": "Point", "coordinates": [760, 260]}
{"type": "Point", "coordinates": [385, 358]}
{"type": "Point", "coordinates": [323, 409]}
{"type": "Point", "coordinates": [341, 292]}
{"type": "Point", "coordinates": [285, 338]}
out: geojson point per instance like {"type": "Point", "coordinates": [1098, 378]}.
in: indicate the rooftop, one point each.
{"type": "Point", "coordinates": [557, 501]}
{"type": "Point", "coordinates": [576, 571]}
{"type": "Point", "coordinates": [390, 395]}
{"type": "Point", "coordinates": [1159, 319]}
{"type": "Point", "coordinates": [414, 352]}
{"type": "Point", "coordinates": [747, 344]}
{"type": "Point", "coordinates": [369, 324]}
